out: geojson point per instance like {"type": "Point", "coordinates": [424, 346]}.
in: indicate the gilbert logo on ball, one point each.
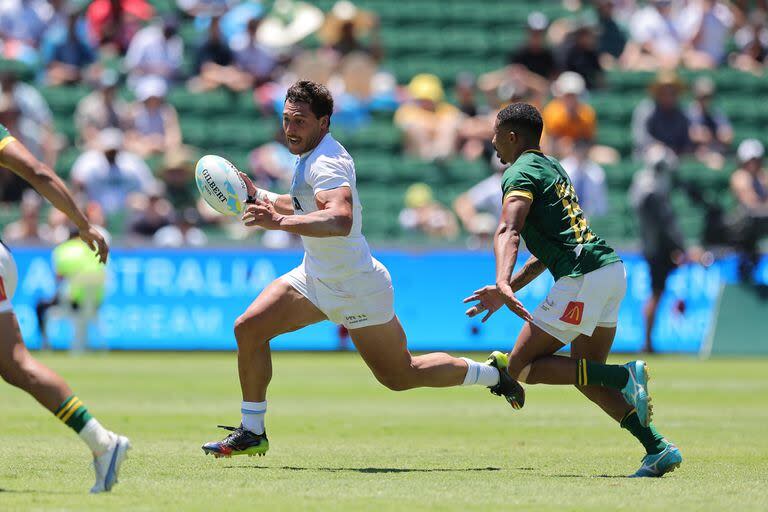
{"type": "Point", "coordinates": [220, 184]}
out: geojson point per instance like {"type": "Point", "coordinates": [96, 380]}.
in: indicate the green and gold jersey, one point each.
{"type": "Point", "coordinates": [5, 137]}
{"type": "Point", "coordinates": [555, 231]}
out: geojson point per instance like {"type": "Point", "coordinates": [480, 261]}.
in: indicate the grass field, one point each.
{"type": "Point", "coordinates": [341, 442]}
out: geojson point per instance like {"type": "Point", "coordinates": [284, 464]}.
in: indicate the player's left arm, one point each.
{"type": "Point", "coordinates": [332, 218]}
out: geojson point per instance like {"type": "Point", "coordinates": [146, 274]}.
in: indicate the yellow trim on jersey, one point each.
{"type": "Point", "coordinates": [518, 193]}
{"type": "Point", "coordinates": [7, 140]}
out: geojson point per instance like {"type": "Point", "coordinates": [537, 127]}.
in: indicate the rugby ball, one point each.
{"type": "Point", "coordinates": [220, 184]}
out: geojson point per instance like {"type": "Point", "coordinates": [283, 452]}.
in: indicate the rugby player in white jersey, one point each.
{"type": "Point", "coordinates": [338, 280]}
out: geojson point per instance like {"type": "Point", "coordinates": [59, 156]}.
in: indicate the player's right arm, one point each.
{"type": "Point", "coordinates": [18, 159]}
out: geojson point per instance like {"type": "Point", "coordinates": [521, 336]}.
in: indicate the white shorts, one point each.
{"type": "Point", "coordinates": [8, 279]}
{"type": "Point", "coordinates": [576, 305]}
{"type": "Point", "coordinates": [361, 300]}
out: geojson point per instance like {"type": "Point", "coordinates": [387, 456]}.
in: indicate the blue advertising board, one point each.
{"type": "Point", "coordinates": [189, 299]}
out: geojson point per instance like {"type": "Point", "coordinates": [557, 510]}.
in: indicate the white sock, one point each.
{"type": "Point", "coordinates": [98, 439]}
{"type": "Point", "coordinates": [480, 374]}
{"type": "Point", "coordinates": [253, 416]}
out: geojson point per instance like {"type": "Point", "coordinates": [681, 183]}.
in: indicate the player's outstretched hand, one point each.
{"type": "Point", "coordinates": [262, 214]}
{"type": "Point", "coordinates": [95, 240]}
{"type": "Point", "coordinates": [489, 301]}
{"type": "Point", "coordinates": [513, 303]}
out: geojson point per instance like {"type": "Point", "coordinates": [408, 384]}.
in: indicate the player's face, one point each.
{"type": "Point", "coordinates": [303, 130]}
{"type": "Point", "coordinates": [504, 143]}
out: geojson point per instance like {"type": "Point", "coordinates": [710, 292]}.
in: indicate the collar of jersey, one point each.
{"type": "Point", "coordinates": [538, 151]}
{"type": "Point", "coordinates": [305, 155]}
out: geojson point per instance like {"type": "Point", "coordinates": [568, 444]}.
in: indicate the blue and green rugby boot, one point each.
{"type": "Point", "coordinates": [635, 391]}
{"type": "Point", "coordinates": [668, 460]}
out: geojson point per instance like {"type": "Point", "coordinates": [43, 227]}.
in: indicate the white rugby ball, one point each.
{"type": "Point", "coordinates": [220, 185]}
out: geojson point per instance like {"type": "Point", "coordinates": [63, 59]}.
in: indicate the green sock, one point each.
{"type": "Point", "coordinates": [591, 373]}
{"type": "Point", "coordinates": [652, 441]}
{"type": "Point", "coordinates": [73, 413]}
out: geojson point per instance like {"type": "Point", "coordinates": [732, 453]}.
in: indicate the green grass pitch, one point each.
{"type": "Point", "coordinates": [341, 442]}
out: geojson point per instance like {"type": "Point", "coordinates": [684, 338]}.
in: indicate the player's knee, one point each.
{"type": "Point", "coordinates": [247, 330]}
{"type": "Point", "coordinates": [16, 372]}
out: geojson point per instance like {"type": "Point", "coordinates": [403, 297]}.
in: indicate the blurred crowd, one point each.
{"type": "Point", "coordinates": [114, 46]}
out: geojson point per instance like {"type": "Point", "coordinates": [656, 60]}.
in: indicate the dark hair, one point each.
{"type": "Point", "coordinates": [317, 95]}
{"type": "Point", "coordinates": [523, 119]}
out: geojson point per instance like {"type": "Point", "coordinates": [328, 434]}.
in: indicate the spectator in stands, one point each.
{"type": "Point", "coordinates": [178, 177]}
{"type": "Point", "coordinates": [706, 26]}
{"type": "Point", "coordinates": [479, 208]}
{"type": "Point", "coordinates": [156, 50]}
{"type": "Point", "coordinates": [752, 43]}
{"type": "Point", "coordinates": [425, 215]}
{"type": "Point", "coordinates": [110, 174]}
{"type": "Point", "coordinates": [429, 124]}
{"type": "Point", "coordinates": [588, 179]}
{"type": "Point", "coordinates": [153, 213]}
{"type": "Point", "coordinates": [567, 118]}
{"type": "Point", "coordinates": [113, 23]}
{"type": "Point", "coordinates": [749, 182]}
{"type": "Point", "coordinates": [661, 118]}
{"type": "Point", "coordinates": [27, 229]}
{"type": "Point", "coordinates": [199, 8]}
{"type": "Point", "coordinates": [513, 83]}
{"type": "Point", "coordinates": [35, 123]}
{"type": "Point", "coordinates": [215, 64]}
{"type": "Point", "coordinates": [183, 232]}
{"type": "Point", "coordinates": [154, 122]}
{"type": "Point", "coordinates": [710, 129]}
{"type": "Point", "coordinates": [252, 57]}
{"type": "Point", "coordinates": [343, 27]}
{"type": "Point", "coordinates": [612, 39]}
{"type": "Point", "coordinates": [663, 243]}
{"type": "Point", "coordinates": [582, 56]}
{"type": "Point", "coordinates": [656, 41]}
{"type": "Point", "coordinates": [749, 185]}
{"type": "Point", "coordinates": [99, 110]}
{"type": "Point", "coordinates": [535, 54]}
{"type": "Point", "coordinates": [24, 21]}
{"type": "Point", "coordinates": [70, 55]}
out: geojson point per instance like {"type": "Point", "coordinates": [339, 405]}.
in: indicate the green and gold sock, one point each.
{"type": "Point", "coordinates": [590, 373]}
{"type": "Point", "coordinates": [74, 413]}
{"type": "Point", "coordinates": [652, 441]}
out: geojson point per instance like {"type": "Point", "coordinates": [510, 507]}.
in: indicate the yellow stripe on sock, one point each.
{"type": "Point", "coordinates": [66, 406]}
{"type": "Point", "coordinates": [78, 404]}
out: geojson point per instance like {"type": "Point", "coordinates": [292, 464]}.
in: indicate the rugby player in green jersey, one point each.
{"type": "Point", "coordinates": [17, 366]}
{"type": "Point", "coordinates": [540, 206]}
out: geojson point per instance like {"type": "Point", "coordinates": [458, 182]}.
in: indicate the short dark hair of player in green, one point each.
{"type": "Point", "coordinates": [316, 95]}
{"type": "Point", "coordinates": [523, 119]}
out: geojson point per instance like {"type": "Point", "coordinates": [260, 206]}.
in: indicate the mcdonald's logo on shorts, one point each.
{"type": "Point", "coordinates": [573, 313]}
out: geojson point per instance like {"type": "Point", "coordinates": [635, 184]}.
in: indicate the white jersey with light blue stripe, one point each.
{"type": "Point", "coordinates": [327, 167]}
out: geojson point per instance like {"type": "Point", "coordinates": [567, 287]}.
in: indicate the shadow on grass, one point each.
{"type": "Point", "coordinates": [37, 491]}
{"type": "Point", "coordinates": [588, 476]}
{"type": "Point", "coordinates": [370, 470]}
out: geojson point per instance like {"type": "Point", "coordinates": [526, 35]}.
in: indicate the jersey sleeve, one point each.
{"type": "Point", "coordinates": [520, 183]}
{"type": "Point", "coordinates": [328, 173]}
{"type": "Point", "coordinates": [5, 137]}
